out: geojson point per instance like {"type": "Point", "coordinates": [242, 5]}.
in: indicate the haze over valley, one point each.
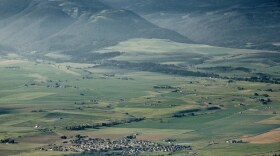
{"type": "Point", "coordinates": [139, 77]}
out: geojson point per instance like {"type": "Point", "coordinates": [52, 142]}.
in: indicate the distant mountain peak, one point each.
{"type": "Point", "coordinates": [216, 22]}
{"type": "Point", "coordinates": [72, 25]}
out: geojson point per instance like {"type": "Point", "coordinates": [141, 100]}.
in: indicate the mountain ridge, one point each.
{"type": "Point", "coordinates": [76, 26]}
{"type": "Point", "coordinates": [238, 24]}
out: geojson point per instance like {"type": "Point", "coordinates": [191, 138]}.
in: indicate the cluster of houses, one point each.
{"type": "Point", "coordinates": [164, 87]}
{"type": "Point", "coordinates": [175, 89]}
{"type": "Point", "coordinates": [126, 146]}
{"type": "Point", "coordinates": [50, 84]}
{"type": "Point", "coordinates": [235, 141]}
{"type": "Point", "coordinates": [59, 148]}
{"type": "Point", "coordinates": [12, 67]}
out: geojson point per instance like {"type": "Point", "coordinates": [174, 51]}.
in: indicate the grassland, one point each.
{"type": "Point", "coordinates": [54, 96]}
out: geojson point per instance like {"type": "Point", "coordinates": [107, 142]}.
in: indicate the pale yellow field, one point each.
{"type": "Point", "coordinates": [265, 138]}
{"type": "Point", "coordinates": [11, 62]}
{"type": "Point", "coordinates": [272, 120]}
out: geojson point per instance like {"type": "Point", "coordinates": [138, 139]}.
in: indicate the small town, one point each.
{"type": "Point", "coordinates": [127, 146]}
{"type": "Point", "coordinates": [139, 77]}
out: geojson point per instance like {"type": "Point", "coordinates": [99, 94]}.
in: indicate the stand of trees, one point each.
{"type": "Point", "coordinates": [96, 126]}
{"type": "Point", "coordinates": [160, 68]}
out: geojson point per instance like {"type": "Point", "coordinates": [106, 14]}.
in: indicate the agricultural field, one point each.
{"type": "Point", "coordinates": [218, 101]}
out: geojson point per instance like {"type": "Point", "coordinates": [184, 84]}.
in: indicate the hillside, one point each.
{"type": "Point", "coordinates": [139, 77]}
{"type": "Point", "coordinates": [241, 23]}
{"type": "Point", "coordinates": [71, 26]}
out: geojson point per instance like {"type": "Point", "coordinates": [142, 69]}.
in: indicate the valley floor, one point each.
{"type": "Point", "coordinates": [45, 104]}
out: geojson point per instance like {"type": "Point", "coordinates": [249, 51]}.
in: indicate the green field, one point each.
{"type": "Point", "coordinates": [54, 96]}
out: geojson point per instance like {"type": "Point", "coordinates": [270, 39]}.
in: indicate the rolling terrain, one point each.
{"type": "Point", "coordinates": [242, 23]}
{"type": "Point", "coordinates": [145, 77]}
{"type": "Point", "coordinates": [72, 27]}
{"type": "Point", "coordinates": [41, 101]}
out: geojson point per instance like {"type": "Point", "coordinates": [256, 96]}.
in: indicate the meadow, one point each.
{"type": "Point", "coordinates": [39, 99]}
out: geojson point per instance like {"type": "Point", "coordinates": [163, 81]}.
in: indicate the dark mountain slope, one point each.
{"type": "Point", "coordinates": [15, 6]}
{"type": "Point", "coordinates": [72, 25]}
{"type": "Point", "coordinates": [239, 23]}
{"type": "Point", "coordinates": [35, 22]}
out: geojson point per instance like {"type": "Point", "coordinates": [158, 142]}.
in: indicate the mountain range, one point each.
{"type": "Point", "coordinates": [82, 26]}
{"type": "Point", "coordinates": [72, 26]}
{"type": "Point", "coordinates": [238, 23]}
